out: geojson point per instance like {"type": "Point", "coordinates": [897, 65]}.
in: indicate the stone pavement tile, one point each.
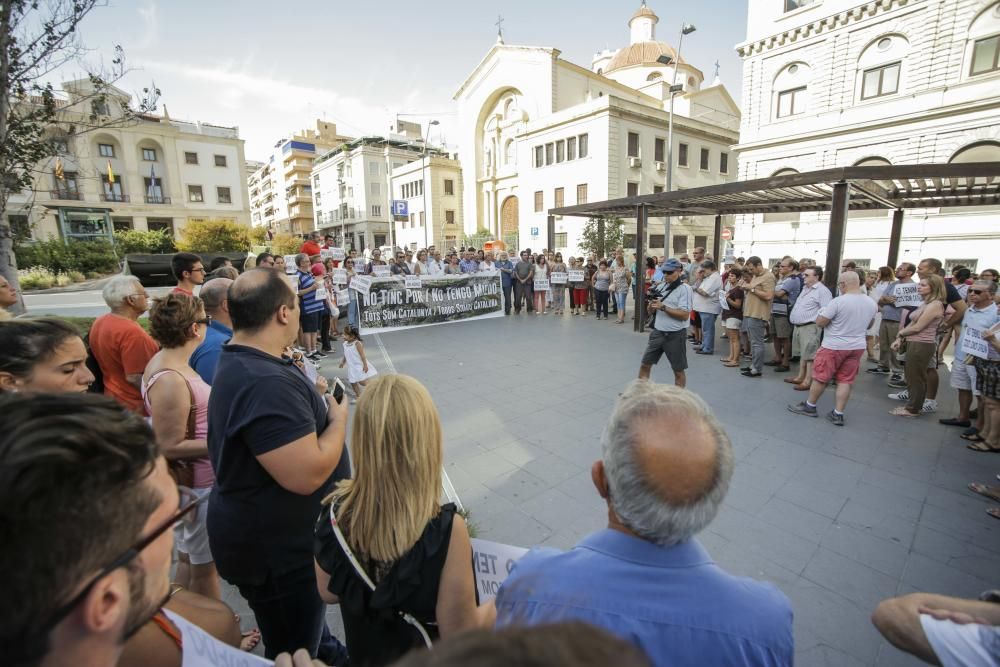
{"type": "Point", "coordinates": [890, 656]}
{"type": "Point", "coordinates": [713, 542]}
{"type": "Point", "coordinates": [580, 487]}
{"type": "Point", "coordinates": [930, 575]}
{"type": "Point", "coordinates": [460, 479]}
{"type": "Point", "coordinates": [763, 539]}
{"type": "Point", "coordinates": [825, 656]}
{"type": "Point", "coordinates": [878, 553]}
{"type": "Point", "coordinates": [516, 485]}
{"type": "Point", "coordinates": [743, 495]}
{"type": "Point", "coordinates": [796, 520]}
{"type": "Point", "coordinates": [759, 477]}
{"type": "Point", "coordinates": [563, 540]}
{"type": "Point", "coordinates": [878, 520]}
{"type": "Point", "coordinates": [887, 498]}
{"type": "Point", "coordinates": [486, 465]}
{"type": "Point", "coordinates": [740, 562]}
{"type": "Point", "coordinates": [855, 581]}
{"type": "Point", "coordinates": [964, 556]}
{"type": "Point", "coordinates": [520, 452]}
{"type": "Point", "coordinates": [483, 502]}
{"type": "Point", "coordinates": [860, 447]}
{"type": "Point", "coordinates": [913, 466]}
{"type": "Point", "coordinates": [553, 508]}
{"type": "Point", "coordinates": [822, 502]}
{"type": "Point", "coordinates": [973, 526]}
{"type": "Point", "coordinates": [779, 457]}
{"type": "Point", "coordinates": [838, 622]}
{"type": "Point", "coordinates": [830, 473]}
{"type": "Point", "coordinates": [553, 469]}
{"type": "Point", "coordinates": [580, 453]}
{"type": "Point", "coordinates": [514, 527]}
{"type": "Point", "coordinates": [906, 487]}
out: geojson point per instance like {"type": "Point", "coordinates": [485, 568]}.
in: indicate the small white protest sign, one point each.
{"type": "Point", "coordinates": [906, 295]}
{"type": "Point", "coordinates": [343, 297]}
{"type": "Point", "coordinates": [290, 267]}
{"type": "Point", "coordinates": [973, 343]}
{"type": "Point", "coordinates": [339, 276]}
{"type": "Point", "coordinates": [575, 275]}
{"type": "Point", "coordinates": [325, 253]}
{"type": "Point", "coordinates": [321, 293]}
{"type": "Point", "coordinates": [491, 563]}
{"type": "Point", "coordinates": [541, 285]}
{"type": "Point", "coordinates": [412, 282]}
{"type": "Point", "coordinates": [380, 270]}
{"type": "Point", "coordinates": [203, 650]}
{"type": "Point", "coordinates": [361, 284]}
{"type": "Point", "coordinates": [337, 254]}
{"type": "Point", "coordinates": [558, 278]}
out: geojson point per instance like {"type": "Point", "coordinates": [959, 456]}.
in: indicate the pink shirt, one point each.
{"type": "Point", "coordinates": [204, 476]}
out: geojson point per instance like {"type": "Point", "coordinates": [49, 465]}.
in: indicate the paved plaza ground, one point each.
{"type": "Point", "coordinates": [838, 518]}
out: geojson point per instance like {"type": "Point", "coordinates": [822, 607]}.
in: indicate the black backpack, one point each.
{"type": "Point", "coordinates": [97, 386]}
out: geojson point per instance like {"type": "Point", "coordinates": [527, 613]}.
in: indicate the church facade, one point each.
{"type": "Point", "coordinates": [538, 132]}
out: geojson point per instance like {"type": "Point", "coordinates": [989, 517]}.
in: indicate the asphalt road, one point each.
{"type": "Point", "coordinates": [80, 304]}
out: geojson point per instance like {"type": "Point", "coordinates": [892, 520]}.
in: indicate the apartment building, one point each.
{"type": "Point", "coordinates": [156, 172]}
{"type": "Point", "coordinates": [434, 182]}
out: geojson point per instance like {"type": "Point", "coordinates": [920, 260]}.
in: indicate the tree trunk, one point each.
{"type": "Point", "coordinates": [8, 262]}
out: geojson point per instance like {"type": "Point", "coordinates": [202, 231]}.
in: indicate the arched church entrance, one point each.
{"type": "Point", "coordinates": [509, 221]}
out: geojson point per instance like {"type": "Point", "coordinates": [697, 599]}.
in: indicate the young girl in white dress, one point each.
{"type": "Point", "coordinates": [359, 371]}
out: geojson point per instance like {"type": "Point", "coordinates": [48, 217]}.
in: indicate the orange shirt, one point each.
{"type": "Point", "coordinates": [121, 348]}
{"type": "Point", "coordinates": [310, 248]}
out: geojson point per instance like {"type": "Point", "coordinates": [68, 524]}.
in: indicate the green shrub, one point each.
{"type": "Point", "coordinates": [59, 257]}
{"type": "Point", "coordinates": [216, 236]}
{"type": "Point", "coordinates": [63, 279]}
{"type": "Point", "coordinates": [147, 243]}
{"type": "Point", "coordinates": [37, 277]}
{"type": "Point", "coordinates": [76, 276]}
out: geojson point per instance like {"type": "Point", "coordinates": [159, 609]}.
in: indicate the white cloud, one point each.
{"type": "Point", "coordinates": [150, 26]}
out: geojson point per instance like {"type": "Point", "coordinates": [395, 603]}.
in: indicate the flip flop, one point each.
{"type": "Point", "coordinates": [974, 437]}
{"type": "Point", "coordinates": [902, 412]}
{"type": "Point", "coordinates": [984, 490]}
{"type": "Point", "coordinates": [982, 447]}
{"type": "Point", "coordinates": [734, 365]}
{"type": "Point", "coordinates": [249, 640]}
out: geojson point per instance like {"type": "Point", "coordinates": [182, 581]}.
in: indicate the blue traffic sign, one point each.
{"type": "Point", "coordinates": [534, 231]}
{"type": "Point", "coordinates": [400, 207]}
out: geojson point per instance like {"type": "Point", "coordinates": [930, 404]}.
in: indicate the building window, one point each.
{"type": "Point", "coordinates": [160, 224]}
{"type": "Point", "coordinates": [149, 154]}
{"type": "Point", "coordinates": [658, 148]}
{"type": "Point", "coordinates": [449, 186]}
{"type": "Point", "coordinates": [195, 194]}
{"type": "Point", "coordinates": [680, 243]}
{"type": "Point", "coordinates": [951, 264]}
{"type": "Point", "coordinates": [562, 240]}
{"type": "Point", "coordinates": [657, 189]}
{"type": "Point", "coordinates": [792, 5]}
{"type": "Point", "coordinates": [373, 168]}
{"type": "Point", "coordinates": [376, 210]}
{"type": "Point", "coordinates": [632, 189]}
{"type": "Point", "coordinates": [582, 140]}
{"type": "Point", "coordinates": [880, 81]}
{"type": "Point", "coordinates": [220, 161]}
{"type": "Point", "coordinates": [581, 193]}
{"type": "Point", "coordinates": [703, 163]}
{"type": "Point", "coordinates": [986, 55]}
{"type": "Point", "coordinates": [682, 155]}
{"type": "Point", "coordinates": [449, 217]}
{"type": "Point", "coordinates": [550, 150]}
{"type": "Point", "coordinates": [723, 163]}
{"type": "Point", "coordinates": [190, 158]}
{"type": "Point", "coordinates": [791, 102]}
{"type": "Point", "coordinates": [121, 224]}
{"type": "Point", "coordinates": [106, 150]}
{"type": "Point", "coordinates": [224, 195]}
{"type": "Point", "coordinates": [560, 151]}
{"type": "Point", "coordinates": [375, 188]}
{"type": "Point", "coordinates": [539, 156]}
{"type": "Point", "coordinates": [633, 144]}
{"type": "Point", "coordinates": [700, 241]}
{"type": "Point", "coordinates": [571, 148]}
{"type": "Point", "coordinates": [539, 201]}
{"type": "Point", "coordinates": [656, 240]}
{"type": "Point", "coordinates": [421, 218]}
{"type": "Point", "coordinates": [112, 189]}
{"type": "Point", "coordinates": [560, 196]}
{"type": "Point", "coordinates": [508, 152]}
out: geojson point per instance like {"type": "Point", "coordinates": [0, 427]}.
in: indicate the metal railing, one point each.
{"type": "Point", "coordinates": [66, 194]}
{"type": "Point", "coordinates": [157, 200]}
{"type": "Point", "coordinates": [112, 197]}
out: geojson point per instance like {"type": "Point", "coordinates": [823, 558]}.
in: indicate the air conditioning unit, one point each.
{"type": "Point", "coordinates": [661, 166]}
{"type": "Point", "coordinates": [634, 162]}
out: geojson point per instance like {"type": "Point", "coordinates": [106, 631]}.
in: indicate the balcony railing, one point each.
{"type": "Point", "coordinates": [112, 197]}
{"type": "Point", "coordinates": [157, 200]}
{"type": "Point", "coordinates": [66, 194]}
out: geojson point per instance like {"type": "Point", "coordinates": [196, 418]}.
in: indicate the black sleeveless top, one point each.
{"type": "Point", "coordinates": [376, 634]}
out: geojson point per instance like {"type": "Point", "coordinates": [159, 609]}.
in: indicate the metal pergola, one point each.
{"type": "Point", "coordinates": [840, 190]}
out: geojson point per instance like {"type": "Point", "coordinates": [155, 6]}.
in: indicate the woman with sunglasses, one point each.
{"type": "Point", "coordinates": [42, 355]}
{"type": "Point", "coordinates": [177, 400]}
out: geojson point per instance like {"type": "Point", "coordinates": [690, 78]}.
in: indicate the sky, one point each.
{"type": "Point", "coordinates": [272, 68]}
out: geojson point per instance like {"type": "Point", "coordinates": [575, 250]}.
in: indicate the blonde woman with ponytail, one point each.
{"type": "Point", "coordinates": [414, 550]}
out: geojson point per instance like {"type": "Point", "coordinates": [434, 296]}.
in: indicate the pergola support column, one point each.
{"type": "Point", "coordinates": [894, 237]}
{"type": "Point", "coordinates": [717, 242]}
{"type": "Point", "coordinates": [838, 234]}
{"type": "Point", "coordinates": [550, 233]}
{"type": "Point", "coordinates": [639, 323]}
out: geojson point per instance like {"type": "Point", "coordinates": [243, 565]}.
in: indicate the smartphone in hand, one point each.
{"type": "Point", "coordinates": [338, 390]}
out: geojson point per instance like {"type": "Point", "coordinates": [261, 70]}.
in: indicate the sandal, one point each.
{"type": "Point", "coordinates": [983, 447]}
{"type": "Point", "coordinates": [902, 412]}
{"type": "Point", "coordinates": [249, 640]}
{"type": "Point", "coordinates": [984, 490]}
{"type": "Point", "coordinates": [993, 512]}
{"type": "Point", "coordinates": [732, 365]}
{"type": "Point", "coordinates": [973, 437]}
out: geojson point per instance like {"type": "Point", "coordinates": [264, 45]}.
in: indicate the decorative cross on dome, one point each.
{"type": "Point", "coordinates": [499, 25]}
{"type": "Point", "coordinates": [717, 69]}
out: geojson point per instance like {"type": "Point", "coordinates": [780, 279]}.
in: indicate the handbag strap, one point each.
{"type": "Point", "coordinates": [192, 420]}
{"type": "Point", "coordinates": [342, 541]}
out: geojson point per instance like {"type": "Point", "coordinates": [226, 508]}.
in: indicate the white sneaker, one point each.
{"type": "Point", "coordinates": [929, 406]}
{"type": "Point", "coordinates": [901, 396]}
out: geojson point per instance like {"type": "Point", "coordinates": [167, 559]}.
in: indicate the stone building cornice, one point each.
{"type": "Point", "coordinates": [819, 26]}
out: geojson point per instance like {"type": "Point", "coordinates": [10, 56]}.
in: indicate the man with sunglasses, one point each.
{"type": "Point", "coordinates": [980, 316]}
{"type": "Point", "coordinates": [399, 267]}
{"type": "Point", "coordinates": [88, 556]}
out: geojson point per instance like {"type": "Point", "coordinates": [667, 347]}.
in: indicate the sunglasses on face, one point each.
{"type": "Point", "coordinates": [976, 291]}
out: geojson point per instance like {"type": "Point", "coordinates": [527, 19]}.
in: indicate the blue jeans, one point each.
{"type": "Point", "coordinates": [620, 300]}
{"type": "Point", "coordinates": [352, 313]}
{"type": "Point", "coordinates": [708, 332]}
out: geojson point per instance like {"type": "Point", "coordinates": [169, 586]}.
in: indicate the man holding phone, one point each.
{"type": "Point", "coordinates": [672, 306]}
{"type": "Point", "coordinates": [277, 447]}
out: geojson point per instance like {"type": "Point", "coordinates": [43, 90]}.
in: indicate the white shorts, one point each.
{"type": "Point", "coordinates": [191, 534]}
{"type": "Point", "coordinates": [733, 323]}
{"type": "Point", "coordinates": [963, 377]}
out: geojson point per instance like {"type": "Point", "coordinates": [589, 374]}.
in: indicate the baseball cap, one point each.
{"type": "Point", "coordinates": [672, 265]}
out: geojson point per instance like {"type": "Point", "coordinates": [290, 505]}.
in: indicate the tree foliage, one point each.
{"type": "Point", "coordinates": [37, 39]}
{"type": "Point", "coordinates": [135, 241]}
{"type": "Point", "coordinates": [216, 236]}
{"type": "Point", "coordinates": [601, 236]}
{"type": "Point", "coordinates": [284, 243]}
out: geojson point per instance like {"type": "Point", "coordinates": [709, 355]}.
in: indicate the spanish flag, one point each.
{"type": "Point", "coordinates": [111, 173]}
{"type": "Point", "coordinates": [60, 174]}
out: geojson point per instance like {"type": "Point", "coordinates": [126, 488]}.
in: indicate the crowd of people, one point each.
{"type": "Point", "coordinates": [218, 452]}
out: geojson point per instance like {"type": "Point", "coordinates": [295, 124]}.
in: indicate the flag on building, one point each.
{"type": "Point", "coordinates": [152, 182]}
{"type": "Point", "coordinates": [60, 174]}
{"type": "Point", "coordinates": [111, 173]}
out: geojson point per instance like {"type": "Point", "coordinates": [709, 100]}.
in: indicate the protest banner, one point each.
{"type": "Point", "coordinates": [380, 270]}
{"type": "Point", "coordinates": [906, 295]}
{"type": "Point", "coordinates": [575, 275]}
{"type": "Point", "coordinates": [290, 266]}
{"type": "Point", "coordinates": [973, 343]}
{"type": "Point", "coordinates": [558, 278]}
{"type": "Point", "coordinates": [491, 563]}
{"type": "Point", "coordinates": [339, 276]}
{"type": "Point", "coordinates": [336, 254]}
{"type": "Point", "coordinates": [388, 305]}
{"type": "Point", "coordinates": [361, 284]}
{"type": "Point", "coordinates": [321, 292]}
{"type": "Point", "coordinates": [343, 298]}
{"type": "Point", "coordinates": [412, 282]}
{"type": "Point", "coordinates": [541, 285]}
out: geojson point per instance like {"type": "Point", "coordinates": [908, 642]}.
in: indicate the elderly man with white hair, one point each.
{"type": "Point", "coordinates": [121, 347]}
{"type": "Point", "coordinates": [665, 469]}
{"type": "Point", "coordinates": [845, 322]}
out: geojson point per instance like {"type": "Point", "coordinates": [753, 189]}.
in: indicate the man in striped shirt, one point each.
{"type": "Point", "coordinates": [312, 307]}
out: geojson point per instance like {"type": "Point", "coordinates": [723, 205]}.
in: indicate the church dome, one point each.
{"type": "Point", "coordinates": [642, 53]}
{"type": "Point", "coordinates": [644, 11]}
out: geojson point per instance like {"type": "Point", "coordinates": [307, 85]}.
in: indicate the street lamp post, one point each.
{"type": "Point", "coordinates": [675, 88]}
{"type": "Point", "coordinates": [423, 183]}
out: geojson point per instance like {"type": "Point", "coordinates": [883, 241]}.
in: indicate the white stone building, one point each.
{"type": "Point", "coordinates": [538, 131]}
{"type": "Point", "coordinates": [833, 83]}
{"type": "Point", "coordinates": [437, 181]}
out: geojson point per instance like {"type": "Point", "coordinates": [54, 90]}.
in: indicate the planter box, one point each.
{"type": "Point", "coordinates": [154, 270]}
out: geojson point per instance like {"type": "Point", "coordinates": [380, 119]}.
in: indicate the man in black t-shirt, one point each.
{"type": "Point", "coordinates": [277, 447]}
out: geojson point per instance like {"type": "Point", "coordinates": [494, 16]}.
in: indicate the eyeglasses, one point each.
{"type": "Point", "coordinates": [202, 270]}
{"type": "Point", "coordinates": [188, 503]}
{"type": "Point", "coordinates": [142, 294]}
{"type": "Point", "coordinates": [206, 320]}
{"type": "Point", "coordinates": [976, 291]}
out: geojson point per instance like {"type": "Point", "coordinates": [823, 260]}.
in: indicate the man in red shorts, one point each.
{"type": "Point", "coordinates": [844, 322]}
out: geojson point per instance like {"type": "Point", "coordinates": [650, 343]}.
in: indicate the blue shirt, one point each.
{"type": "Point", "coordinates": [505, 278]}
{"type": "Point", "coordinates": [310, 304]}
{"type": "Point", "coordinates": [206, 355]}
{"type": "Point", "coordinates": [674, 602]}
{"type": "Point", "coordinates": [469, 266]}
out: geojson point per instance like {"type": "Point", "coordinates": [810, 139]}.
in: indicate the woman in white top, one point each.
{"type": "Point", "coordinates": [541, 296]}
{"type": "Point", "coordinates": [879, 282]}
{"type": "Point", "coordinates": [488, 265]}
